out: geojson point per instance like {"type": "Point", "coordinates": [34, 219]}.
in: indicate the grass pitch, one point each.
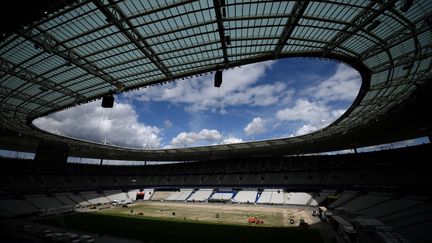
{"type": "Point", "coordinates": [273, 216]}
{"type": "Point", "coordinates": [158, 224]}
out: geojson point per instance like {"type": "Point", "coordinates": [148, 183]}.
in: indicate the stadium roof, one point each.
{"type": "Point", "coordinates": [85, 49]}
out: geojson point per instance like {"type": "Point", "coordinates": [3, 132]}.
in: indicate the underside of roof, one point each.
{"type": "Point", "coordinates": [87, 49]}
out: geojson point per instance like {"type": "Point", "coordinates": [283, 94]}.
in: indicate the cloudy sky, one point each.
{"type": "Point", "coordinates": [273, 99]}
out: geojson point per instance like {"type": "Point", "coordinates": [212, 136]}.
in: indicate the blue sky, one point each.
{"type": "Point", "coordinates": [273, 99]}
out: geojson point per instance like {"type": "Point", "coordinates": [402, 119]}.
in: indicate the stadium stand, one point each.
{"type": "Point", "coordinates": [419, 232]}
{"type": "Point", "coordinates": [411, 219]}
{"type": "Point", "coordinates": [17, 207]}
{"type": "Point", "coordinates": [405, 210]}
{"type": "Point", "coordinates": [317, 199]}
{"type": "Point", "coordinates": [297, 198]}
{"type": "Point", "coordinates": [79, 200]}
{"type": "Point", "coordinates": [379, 231]}
{"type": "Point", "coordinates": [329, 167]}
{"type": "Point", "coordinates": [43, 202]}
{"type": "Point", "coordinates": [389, 207]}
{"type": "Point", "coordinates": [383, 236]}
{"type": "Point", "coordinates": [343, 198]}
{"type": "Point", "coordinates": [181, 195]}
{"type": "Point", "coordinates": [148, 193]}
{"type": "Point", "coordinates": [132, 194]}
{"type": "Point", "coordinates": [271, 196]}
{"type": "Point", "coordinates": [277, 197]}
{"type": "Point", "coordinates": [64, 199]}
{"type": "Point", "coordinates": [407, 213]}
{"type": "Point", "coordinates": [222, 196]}
{"type": "Point", "coordinates": [246, 196]}
{"type": "Point", "coordinates": [363, 202]}
{"type": "Point", "coordinates": [95, 198]}
{"type": "Point", "coordinates": [115, 195]}
{"type": "Point", "coordinates": [264, 197]}
{"type": "Point", "coordinates": [200, 195]}
{"type": "Point", "coordinates": [162, 195]}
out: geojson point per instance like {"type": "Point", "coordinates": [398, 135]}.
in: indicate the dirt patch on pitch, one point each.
{"type": "Point", "coordinates": [272, 215]}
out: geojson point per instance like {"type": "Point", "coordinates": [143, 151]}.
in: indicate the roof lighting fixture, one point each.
{"type": "Point", "coordinates": [406, 5]}
{"type": "Point", "coordinates": [228, 40]}
{"type": "Point", "coordinates": [373, 25]}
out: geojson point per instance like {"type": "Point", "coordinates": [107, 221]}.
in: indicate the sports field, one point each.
{"type": "Point", "coordinates": [273, 216]}
{"type": "Point", "coordinates": [194, 222]}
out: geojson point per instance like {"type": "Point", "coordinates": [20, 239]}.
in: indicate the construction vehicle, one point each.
{"type": "Point", "coordinates": [255, 220]}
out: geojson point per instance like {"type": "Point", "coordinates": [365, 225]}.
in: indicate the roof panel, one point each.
{"type": "Point", "coordinates": [83, 50]}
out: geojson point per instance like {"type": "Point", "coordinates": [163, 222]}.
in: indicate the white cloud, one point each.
{"type": "Point", "coordinates": [313, 109]}
{"type": "Point", "coordinates": [256, 126]}
{"type": "Point", "coordinates": [238, 88]}
{"type": "Point", "coordinates": [120, 126]}
{"type": "Point", "coordinates": [304, 110]}
{"type": "Point", "coordinates": [189, 138]}
{"type": "Point", "coordinates": [168, 124]}
{"type": "Point", "coordinates": [343, 85]}
{"type": "Point", "coordinates": [313, 115]}
{"type": "Point", "coordinates": [305, 129]}
{"type": "Point", "coordinates": [232, 140]}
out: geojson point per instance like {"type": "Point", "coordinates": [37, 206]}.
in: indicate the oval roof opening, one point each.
{"type": "Point", "coordinates": [273, 99]}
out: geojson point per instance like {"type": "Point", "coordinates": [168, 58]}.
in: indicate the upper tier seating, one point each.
{"type": "Point", "coordinates": [393, 168]}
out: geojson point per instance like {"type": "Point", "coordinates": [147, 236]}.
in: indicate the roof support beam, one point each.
{"type": "Point", "coordinates": [221, 30]}
{"type": "Point", "coordinates": [50, 44]}
{"type": "Point", "coordinates": [394, 40]}
{"type": "Point", "coordinates": [7, 109]}
{"type": "Point", "coordinates": [296, 13]}
{"type": "Point", "coordinates": [408, 58]}
{"type": "Point", "coordinates": [115, 15]}
{"type": "Point", "coordinates": [10, 68]}
{"type": "Point", "coordinates": [420, 78]}
{"type": "Point", "coordinates": [360, 21]}
{"type": "Point", "coordinates": [6, 92]}
{"type": "Point", "coordinates": [151, 11]}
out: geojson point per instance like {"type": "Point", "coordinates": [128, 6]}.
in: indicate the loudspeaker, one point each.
{"type": "Point", "coordinates": [228, 40]}
{"type": "Point", "coordinates": [218, 79]}
{"type": "Point", "coordinates": [108, 101]}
